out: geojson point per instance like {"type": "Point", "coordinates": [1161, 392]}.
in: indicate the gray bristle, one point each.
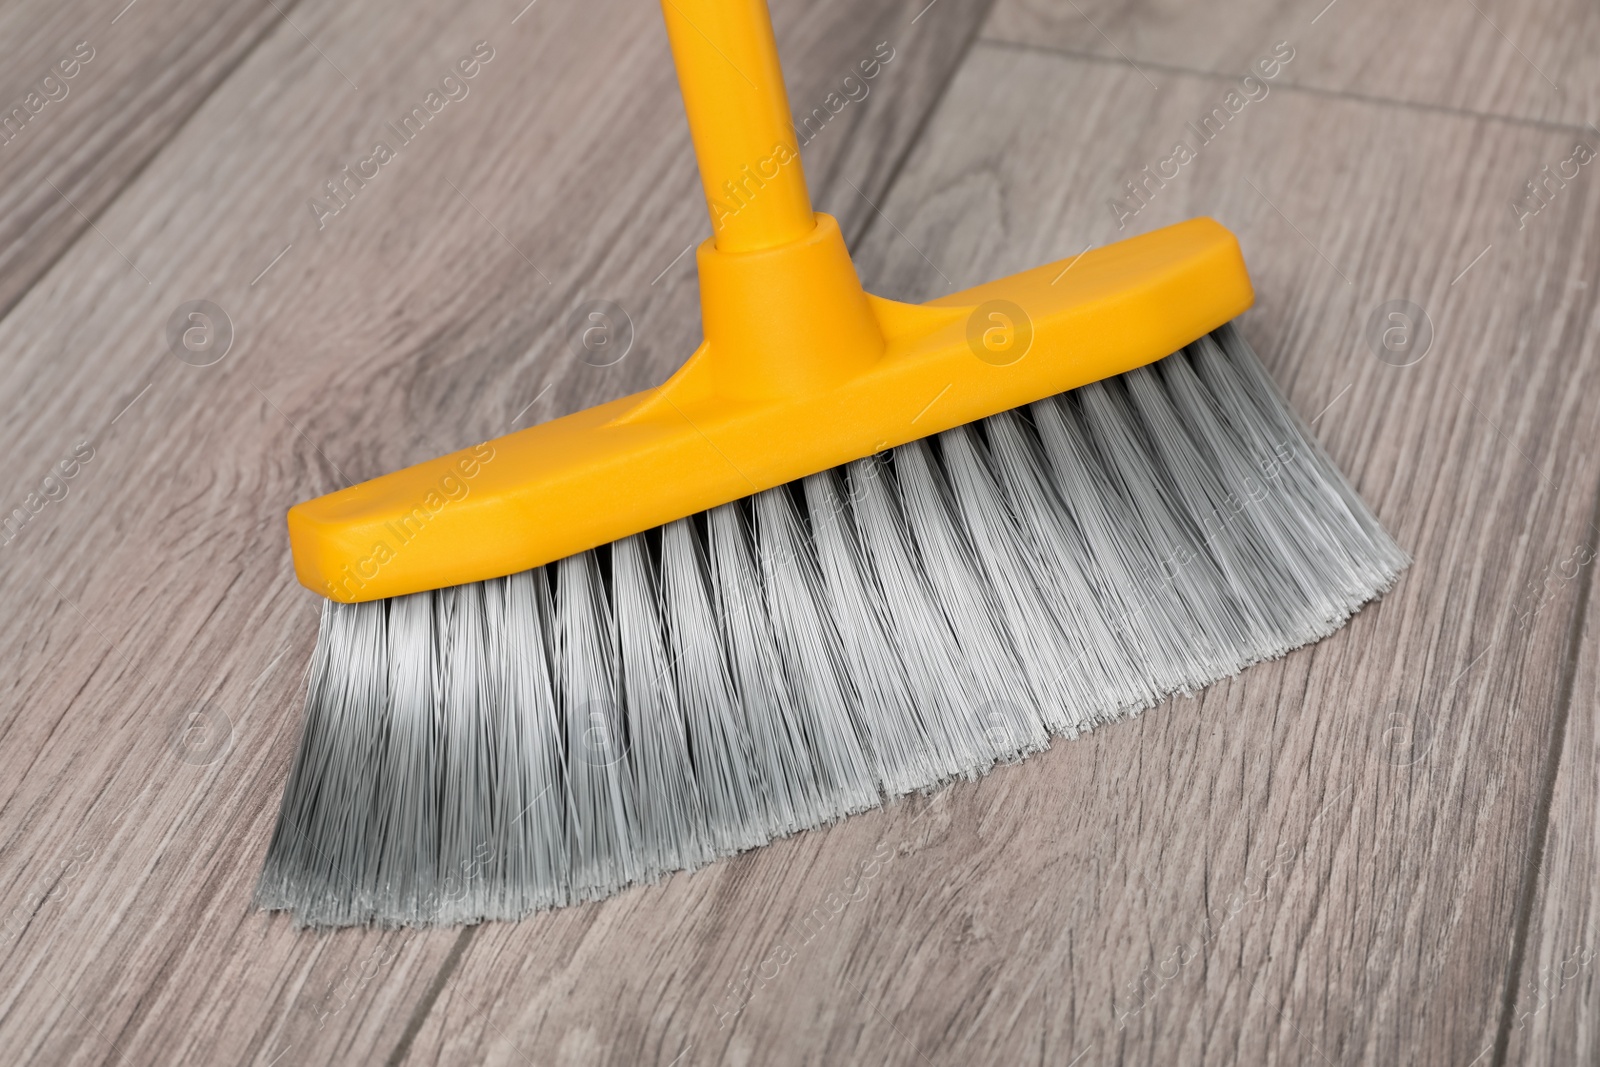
{"type": "Point", "coordinates": [813, 659]}
{"type": "Point", "coordinates": [720, 746]}
{"type": "Point", "coordinates": [602, 817]}
{"type": "Point", "coordinates": [777, 663]}
{"type": "Point", "coordinates": [907, 753]}
{"type": "Point", "coordinates": [672, 827]}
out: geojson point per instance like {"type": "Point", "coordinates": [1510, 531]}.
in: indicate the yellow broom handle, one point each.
{"type": "Point", "coordinates": [738, 109]}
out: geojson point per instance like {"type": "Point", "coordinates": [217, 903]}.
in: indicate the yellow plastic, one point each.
{"type": "Point", "coordinates": [800, 369]}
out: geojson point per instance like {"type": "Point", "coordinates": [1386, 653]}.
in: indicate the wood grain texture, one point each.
{"type": "Point", "coordinates": [151, 612]}
{"type": "Point", "coordinates": [1322, 860]}
{"type": "Point", "coordinates": [1552, 1010]}
{"type": "Point", "coordinates": [1497, 57]}
{"type": "Point", "coordinates": [78, 140]}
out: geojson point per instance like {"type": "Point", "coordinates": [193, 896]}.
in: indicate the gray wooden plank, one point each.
{"type": "Point", "coordinates": [1318, 860]}
{"type": "Point", "coordinates": [88, 93]}
{"type": "Point", "coordinates": [1500, 57]}
{"type": "Point", "coordinates": [1552, 1008]}
{"type": "Point", "coordinates": [414, 320]}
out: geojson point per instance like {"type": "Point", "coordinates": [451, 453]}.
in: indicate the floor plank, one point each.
{"type": "Point", "coordinates": [1372, 806]}
{"type": "Point", "coordinates": [1552, 1011]}
{"type": "Point", "coordinates": [1497, 57]}
{"type": "Point", "coordinates": [1319, 860]}
{"type": "Point", "coordinates": [154, 653]}
{"type": "Point", "coordinates": [136, 76]}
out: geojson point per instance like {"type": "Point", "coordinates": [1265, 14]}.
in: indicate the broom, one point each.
{"type": "Point", "coordinates": [851, 550]}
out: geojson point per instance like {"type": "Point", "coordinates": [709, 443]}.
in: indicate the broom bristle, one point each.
{"type": "Point", "coordinates": [780, 662]}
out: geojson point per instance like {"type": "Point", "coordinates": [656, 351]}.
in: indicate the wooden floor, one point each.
{"type": "Point", "coordinates": [1382, 849]}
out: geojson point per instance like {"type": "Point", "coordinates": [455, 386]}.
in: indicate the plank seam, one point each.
{"type": "Point", "coordinates": [1293, 87]}
{"type": "Point", "coordinates": [1527, 891]}
{"type": "Point", "coordinates": [420, 1013]}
